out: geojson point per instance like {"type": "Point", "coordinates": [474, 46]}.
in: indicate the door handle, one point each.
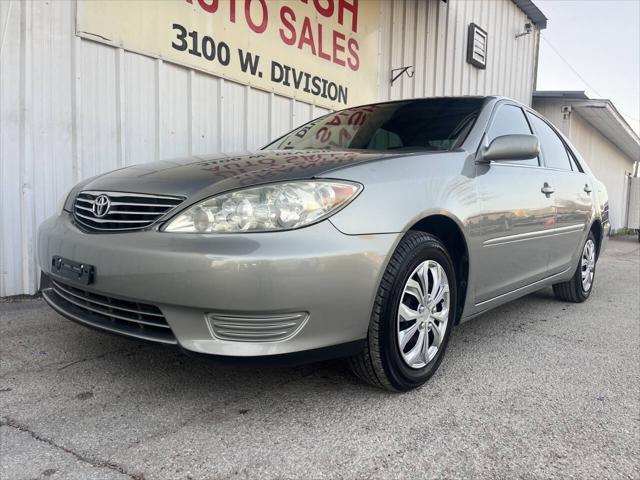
{"type": "Point", "coordinates": [587, 188]}
{"type": "Point", "coordinates": [547, 189]}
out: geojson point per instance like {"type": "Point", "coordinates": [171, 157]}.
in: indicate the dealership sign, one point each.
{"type": "Point", "coordinates": [319, 51]}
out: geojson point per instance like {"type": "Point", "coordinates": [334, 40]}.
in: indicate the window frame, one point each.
{"type": "Point", "coordinates": [485, 137]}
{"type": "Point", "coordinates": [571, 156]}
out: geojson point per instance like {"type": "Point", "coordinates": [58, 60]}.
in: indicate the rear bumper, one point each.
{"type": "Point", "coordinates": [317, 274]}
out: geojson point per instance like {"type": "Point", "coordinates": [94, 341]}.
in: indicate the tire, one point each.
{"type": "Point", "coordinates": [574, 290]}
{"type": "Point", "coordinates": [382, 363]}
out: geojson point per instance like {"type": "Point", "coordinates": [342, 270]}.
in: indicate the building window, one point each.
{"type": "Point", "coordinates": [477, 46]}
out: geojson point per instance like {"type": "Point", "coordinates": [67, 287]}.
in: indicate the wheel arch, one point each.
{"type": "Point", "coordinates": [596, 229]}
{"type": "Point", "coordinates": [450, 232]}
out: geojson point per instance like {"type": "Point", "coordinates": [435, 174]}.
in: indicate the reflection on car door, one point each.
{"type": "Point", "coordinates": [515, 217]}
{"type": "Point", "coordinates": [573, 197]}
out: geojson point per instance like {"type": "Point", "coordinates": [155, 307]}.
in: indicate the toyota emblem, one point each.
{"type": "Point", "coordinates": [101, 206]}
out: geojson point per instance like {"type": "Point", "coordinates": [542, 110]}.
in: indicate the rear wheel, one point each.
{"type": "Point", "coordinates": [412, 316]}
{"type": "Point", "coordinates": [579, 288]}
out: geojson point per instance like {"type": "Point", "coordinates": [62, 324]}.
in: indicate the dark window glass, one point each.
{"type": "Point", "coordinates": [510, 120]}
{"type": "Point", "coordinates": [431, 124]}
{"type": "Point", "coordinates": [553, 150]}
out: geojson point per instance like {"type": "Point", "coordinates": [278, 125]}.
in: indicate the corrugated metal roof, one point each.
{"type": "Point", "coordinates": [533, 12]}
{"type": "Point", "coordinates": [603, 116]}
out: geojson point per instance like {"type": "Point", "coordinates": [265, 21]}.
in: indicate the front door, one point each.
{"type": "Point", "coordinates": [517, 213]}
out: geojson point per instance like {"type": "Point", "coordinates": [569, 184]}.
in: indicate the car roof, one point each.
{"type": "Point", "coordinates": [479, 97]}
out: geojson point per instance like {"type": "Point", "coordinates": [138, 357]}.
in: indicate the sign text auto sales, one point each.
{"type": "Point", "coordinates": [319, 51]}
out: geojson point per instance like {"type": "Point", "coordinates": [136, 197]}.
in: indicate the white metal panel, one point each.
{"type": "Point", "coordinates": [11, 126]}
{"type": "Point", "coordinates": [432, 37]}
{"type": "Point", "coordinates": [98, 121]}
{"type": "Point", "coordinates": [633, 206]}
{"type": "Point", "coordinates": [281, 120]}
{"type": "Point", "coordinates": [258, 105]}
{"type": "Point", "coordinates": [71, 108]}
{"type": "Point", "coordinates": [175, 136]}
{"type": "Point", "coordinates": [234, 116]}
{"type": "Point", "coordinates": [302, 113]}
{"type": "Point", "coordinates": [205, 120]}
{"type": "Point", "coordinates": [139, 93]}
{"type": "Point", "coordinates": [607, 162]}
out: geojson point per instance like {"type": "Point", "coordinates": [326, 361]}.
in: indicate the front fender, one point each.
{"type": "Point", "coordinates": [399, 193]}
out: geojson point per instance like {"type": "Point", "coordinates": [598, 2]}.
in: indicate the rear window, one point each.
{"type": "Point", "coordinates": [430, 124]}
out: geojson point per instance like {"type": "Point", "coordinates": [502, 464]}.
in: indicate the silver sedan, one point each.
{"type": "Point", "coordinates": [368, 233]}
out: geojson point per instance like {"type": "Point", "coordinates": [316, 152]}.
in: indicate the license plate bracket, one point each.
{"type": "Point", "coordinates": [76, 271]}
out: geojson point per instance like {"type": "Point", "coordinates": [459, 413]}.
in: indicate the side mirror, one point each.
{"type": "Point", "coordinates": [510, 148]}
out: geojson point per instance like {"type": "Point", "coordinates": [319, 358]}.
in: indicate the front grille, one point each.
{"type": "Point", "coordinates": [123, 211]}
{"type": "Point", "coordinates": [266, 328]}
{"type": "Point", "coordinates": [108, 313]}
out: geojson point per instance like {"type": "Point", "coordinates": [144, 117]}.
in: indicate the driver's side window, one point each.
{"type": "Point", "coordinates": [510, 120]}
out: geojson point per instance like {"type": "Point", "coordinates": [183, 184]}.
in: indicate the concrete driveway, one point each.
{"type": "Point", "coordinates": [537, 388]}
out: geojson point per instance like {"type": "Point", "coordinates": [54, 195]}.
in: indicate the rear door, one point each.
{"type": "Point", "coordinates": [573, 197]}
{"type": "Point", "coordinates": [516, 215]}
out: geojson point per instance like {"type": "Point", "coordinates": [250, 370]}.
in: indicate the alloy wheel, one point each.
{"type": "Point", "coordinates": [588, 264]}
{"type": "Point", "coordinates": [423, 314]}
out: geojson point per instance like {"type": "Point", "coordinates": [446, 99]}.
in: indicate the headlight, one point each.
{"type": "Point", "coordinates": [279, 206]}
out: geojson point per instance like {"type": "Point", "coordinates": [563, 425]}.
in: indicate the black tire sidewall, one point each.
{"type": "Point", "coordinates": [399, 373]}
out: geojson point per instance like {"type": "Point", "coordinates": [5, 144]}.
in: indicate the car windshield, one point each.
{"type": "Point", "coordinates": [428, 124]}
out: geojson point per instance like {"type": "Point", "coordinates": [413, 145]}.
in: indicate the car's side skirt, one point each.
{"type": "Point", "coordinates": [516, 293]}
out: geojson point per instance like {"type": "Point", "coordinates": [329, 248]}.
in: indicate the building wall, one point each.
{"type": "Point", "coordinates": [432, 36]}
{"type": "Point", "coordinates": [71, 108]}
{"type": "Point", "coordinates": [607, 162]}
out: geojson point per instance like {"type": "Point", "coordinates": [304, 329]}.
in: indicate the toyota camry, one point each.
{"type": "Point", "coordinates": [368, 233]}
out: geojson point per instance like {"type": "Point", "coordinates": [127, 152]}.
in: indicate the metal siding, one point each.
{"type": "Point", "coordinates": [607, 162]}
{"type": "Point", "coordinates": [98, 122]}
{"type": "Point", "coordinates": [139, 91]}
{"type": "Point", "coordinates": [419, 54]}
{"type": "Point", "coordinates": [71, 108]}
{"type": "Point", "coordinates": [175, 137]}
{"type": "Point", "coordinates": [438, 45]}
{"type": "Point", "coordinates": [11, 93]}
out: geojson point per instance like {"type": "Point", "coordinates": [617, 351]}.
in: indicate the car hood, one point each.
{"type": "Point", "coordinates": [208, 175]}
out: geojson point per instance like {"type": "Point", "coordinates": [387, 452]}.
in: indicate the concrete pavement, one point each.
{"type": "Point", "coordinates": [535, 389]}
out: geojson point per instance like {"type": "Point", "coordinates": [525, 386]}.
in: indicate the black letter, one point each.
{"type": "Point", "coordinates": [180, 36]}
{"type": "Point", "coordinates": [342, 94]}
{"type": "Point", "coordinates": [275, 65]}
{"type": "Point", "coordinates": [248, 60]}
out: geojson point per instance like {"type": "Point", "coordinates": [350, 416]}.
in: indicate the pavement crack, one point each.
{"type": "Point", "coordinates": [9, 422]}
{"type": "Point", "coordinates": [230, 404]}
{"type": "Point", "coordinates": [97, 357]}
{"type": "Point", "coordinates": [47, 366]}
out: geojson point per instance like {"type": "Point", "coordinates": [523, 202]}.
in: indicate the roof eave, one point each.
{"type": "Point", "coordinates": [602, 115]}
{"type": "Point", "coordinates": [533, 12]}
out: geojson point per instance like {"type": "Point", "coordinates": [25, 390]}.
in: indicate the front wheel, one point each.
{"type": "Point", "coordinates": [412, 316]}
{"type": "Point", "coordinates": [579, 288]}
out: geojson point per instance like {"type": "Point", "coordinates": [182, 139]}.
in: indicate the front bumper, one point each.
{"type": "Point", "coordinates": [317, 274]}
